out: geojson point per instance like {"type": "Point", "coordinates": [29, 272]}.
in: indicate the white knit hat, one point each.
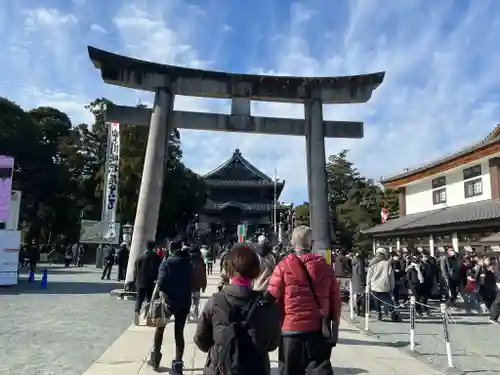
{"type": "Point", "coordinates": [381, 250]}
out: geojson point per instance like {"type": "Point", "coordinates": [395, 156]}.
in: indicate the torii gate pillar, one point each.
{"type": "Point", "coordinates": [319, 211]}
{"type": "Point", "coordinates": [150, 193]}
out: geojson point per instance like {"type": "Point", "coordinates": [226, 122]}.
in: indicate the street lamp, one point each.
{"type": "Point", "coordinates": [128, 291]}
{"type": "Point", "coordinates": [127, 233]}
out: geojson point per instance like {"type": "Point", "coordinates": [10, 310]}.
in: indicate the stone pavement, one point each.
{"type": "Point", "coordinates": [475, 342]}
{"type": "Point", "coordinates": [60, 330]}
{"type": "Point", "coordinates": [356, 353]}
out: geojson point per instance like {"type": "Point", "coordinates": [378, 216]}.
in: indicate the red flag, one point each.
{"type": "Point", "coordinates": [384, 215]}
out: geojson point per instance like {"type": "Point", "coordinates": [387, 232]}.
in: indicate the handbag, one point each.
{"type": "Point", "coordinates": [156, 313]}
{"type": "Point", "coordinates": [329, 329]}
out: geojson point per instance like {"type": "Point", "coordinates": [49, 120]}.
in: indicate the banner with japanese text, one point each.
{"type": "Point", "coordinates": [111, 182]}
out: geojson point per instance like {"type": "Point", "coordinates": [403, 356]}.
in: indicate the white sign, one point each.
{"type": "Point", "coordinates": [112, 179]}
{"type": "Point", "coordinates": [92, 232]}
{"type": "Point", "coordinates": [15, 209]}
{"type": "Point", "coordinates": [10, 242]}
{"type": "Point", "coordinates": [12, 222]}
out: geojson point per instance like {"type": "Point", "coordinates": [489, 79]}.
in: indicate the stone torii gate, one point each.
{"type": "Point", "coordinates": [166, 81]}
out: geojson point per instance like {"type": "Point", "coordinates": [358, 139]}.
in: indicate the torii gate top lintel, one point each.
{"type": "Point", "coordinates": [148, 76]}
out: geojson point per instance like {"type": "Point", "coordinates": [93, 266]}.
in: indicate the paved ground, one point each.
{"type": "Point", "coordinates": [60, 330]}
{"type": "Point", "coordinates": [475, 343]}
{"type": "Point", "coordinates": [356, 353]}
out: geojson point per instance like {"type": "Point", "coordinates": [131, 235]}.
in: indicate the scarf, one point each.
{"type": "Point", "coordinates": [242, 281]}
{"type": "Point", "coordinates": [419, 273]}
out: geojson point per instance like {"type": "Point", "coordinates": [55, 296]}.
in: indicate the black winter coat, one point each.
{"type": "Point", "coordinates": [146, 269]}
{"type": "Point", "coordinates": [358, 275]}
{"type": "Point", "coordinates": [265, 324]}
{"type": "Point", "coordinates": [175, 279]}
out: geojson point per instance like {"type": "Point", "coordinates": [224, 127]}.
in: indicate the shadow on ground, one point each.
{"type": "Point", "coordinates": [336, 370]}
{"type": "Point", "coordinates": [397, 344]}
{"type": "Point", "coordinates": [67, 287]}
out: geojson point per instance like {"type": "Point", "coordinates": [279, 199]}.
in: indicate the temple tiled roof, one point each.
{"type": "Point", "coordinates": [236, 159]}
{"type": "Point", "coordinates": [248, 183]}
{"type": "Point", "coordinates": [245, 206]}
{"type": "Point", "coordinates": [238, 171]}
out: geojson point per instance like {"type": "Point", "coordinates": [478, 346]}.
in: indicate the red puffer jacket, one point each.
{"type": "Point", "coordinates": [290, 287]}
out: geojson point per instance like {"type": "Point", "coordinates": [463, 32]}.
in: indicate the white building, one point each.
{"type": "Point", "coordinates": [453, 201]}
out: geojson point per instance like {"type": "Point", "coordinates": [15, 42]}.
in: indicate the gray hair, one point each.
{"type": "Point", "coordinates": [302, 238]}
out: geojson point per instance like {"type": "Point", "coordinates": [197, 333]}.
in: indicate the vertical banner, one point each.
{"type": "Point", "coordinates": [6, 171]}
{"type": "Point", "coordinates": [111, 182]}
{"type": "Point", "coordinates": [242, 232]}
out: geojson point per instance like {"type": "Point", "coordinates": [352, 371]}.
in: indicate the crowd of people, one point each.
{"type": "Point", "coordinates": [393, 277]}
{"type": "Point", "coordinates": [292, 305]}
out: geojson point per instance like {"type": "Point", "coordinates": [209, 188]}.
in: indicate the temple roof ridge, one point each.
{"type": "Point", "coordinates": [237, 157]}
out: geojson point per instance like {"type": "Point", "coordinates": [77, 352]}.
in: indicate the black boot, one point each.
{"type": "Point", "coordinates": [154, 359]}
{"type": "Point", "coordinates": [177, 367]}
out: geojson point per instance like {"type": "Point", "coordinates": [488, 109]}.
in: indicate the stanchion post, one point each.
{"type": "Point", "coordinates": [352, 296]}
{"type": "Point", "coordinates": [449, 355]}
{"type": "Point", "coordinates": [367, 308]}
{"type": "Point", "coordinates": [412, 323]}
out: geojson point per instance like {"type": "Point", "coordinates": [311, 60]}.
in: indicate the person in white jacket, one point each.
{"type": "Point", "coordinates": [380, 279]}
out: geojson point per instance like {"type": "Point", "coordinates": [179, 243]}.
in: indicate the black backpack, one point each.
{"type": "Point", "coordinates": [236, 353]}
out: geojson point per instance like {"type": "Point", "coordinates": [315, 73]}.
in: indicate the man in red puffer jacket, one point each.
{"type": "Point", "coordinates": [303, 348]}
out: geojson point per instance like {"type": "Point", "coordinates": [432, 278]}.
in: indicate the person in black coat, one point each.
{"type": "Point", "coordinates": [146, 273]}
{"type": "Point", "coordinates": [175, 281]}
{"type": "Point", "coordinates": [359, 281]}
{"type": "Point", "coordinates": [122, 256]}
{"type": "Point", "coordinates": [495, 306]}
{"type": "Point", "coordinates": [263, 332]}
{"type": "Point", "coordinates": [108, 254]}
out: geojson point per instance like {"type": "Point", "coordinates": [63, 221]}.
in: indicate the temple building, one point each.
{"type": "Point", "coordinates": [238, 193]}
{"type": "Point", "coordinates": [453, 201]}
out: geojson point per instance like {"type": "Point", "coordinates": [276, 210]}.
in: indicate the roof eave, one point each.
{"type": "Point", "coordinates": [472, 149]}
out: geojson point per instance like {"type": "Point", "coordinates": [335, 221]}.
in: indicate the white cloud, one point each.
{"type": "Point", "coordinates": [47, 17]}
{"type": "Point", "coordinates": [146, 35]}
{"type": "Point", "coordinates": [71, 104]}
{"type": "Point", "coordinates": [95, 27]}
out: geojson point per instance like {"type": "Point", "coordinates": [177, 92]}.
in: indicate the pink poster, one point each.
{"type": "Point", "coordinates": [6, 170]}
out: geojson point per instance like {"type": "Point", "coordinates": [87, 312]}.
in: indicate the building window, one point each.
{"type": "Point", "coordinates": [472, 172]}
{"type": "Point", "coordinates": [439, 182]}
{"type": "Point", "coordinates": [439, 196]}
{"type": "Point", "coordinates": [473, 188]}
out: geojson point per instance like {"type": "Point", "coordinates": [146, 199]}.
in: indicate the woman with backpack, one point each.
{"type": "Point", "coordinates": [239, 326]}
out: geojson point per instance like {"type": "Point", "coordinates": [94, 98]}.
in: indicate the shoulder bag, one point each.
{"type": "Point", "coordinates": [156, 313]}
{"type": "Point", "coordinates": [329, 329]}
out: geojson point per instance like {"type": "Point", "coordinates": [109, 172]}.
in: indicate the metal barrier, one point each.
{"type": "Point", "coordinates": [445, 317]}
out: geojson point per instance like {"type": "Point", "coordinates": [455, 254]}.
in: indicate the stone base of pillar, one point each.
{"type": "Point", "coordinates": [124, 294]}
{"type": "Point", "coordinates": [127, 293]}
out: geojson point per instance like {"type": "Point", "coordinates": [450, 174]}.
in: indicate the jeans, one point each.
{"type": "Point", "coordinates": [471, 301]}
{"type": "Point", "coordinates": [195, 303]}
{"type": "Point", "coordinates": [382, 301]}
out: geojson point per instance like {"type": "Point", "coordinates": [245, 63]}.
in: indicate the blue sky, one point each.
{"type": "Point", "coordinates": [442, 58]}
